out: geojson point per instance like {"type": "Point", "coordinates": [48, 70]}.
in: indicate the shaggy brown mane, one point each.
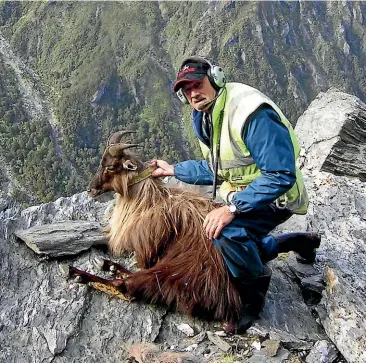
{"type": "Point", "coordinates": [163, 226]}
{"type": "Point", "coordinates": [179, 266]}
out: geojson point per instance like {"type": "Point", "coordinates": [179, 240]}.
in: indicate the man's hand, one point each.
{"type": "Point", "coordinates": [216, 220]}
{"type": "Point", "coordinates": [162, 168]}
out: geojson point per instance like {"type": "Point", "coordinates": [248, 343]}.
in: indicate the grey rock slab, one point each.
{"type": "Point", "coordinates": [262, 356]}
{"type": "Point", "coordinates": [220, 343]}
{"type": "Point", "coordinates": [313, 283]}
{"type": "Point", "coordinates": [310, 278]}
{"type": "Point", "coordinates": [312, 288]}
{"type": "Point", "coordinates": [286, 317]}
{"type": "Point", "coordinates": [334, 213]}
{"type": "Point", "coordinates": [336, 210]}
{"type": "Point", "coordinates": [301, 270]}
{"type": "Point", "coordinates": [48, 318]}
{"type": "Point", "coordinates": [77, 207]}
{"type": "Point", "coordinates": [271, 346]}
{"type": "Point", "coordinates": [63, 238]}
{"type": "Point", "coordinates": [39, 311]}
{"type": "Point", "coordinates": [333, 133]}
{"type": "Point", "coordinates": [171, 336]}
{"type": "Point", "coordinates": [110, 326]}
{"type": "Point", "coordinates": [342, 312]}
{"type": "Point", "coordinates": [43, 317]}
{"type": "Point", "coordinates": [322, 352]}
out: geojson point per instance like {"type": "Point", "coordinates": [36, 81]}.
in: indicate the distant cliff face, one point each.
{"type": "Point", "coordinates": [70, 73]}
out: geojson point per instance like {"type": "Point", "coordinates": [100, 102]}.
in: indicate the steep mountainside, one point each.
{"type": "Point", "coordinates": [72, 72]}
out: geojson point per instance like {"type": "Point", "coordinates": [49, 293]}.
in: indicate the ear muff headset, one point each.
{"type": "Point", "coordinates": [180, 94]}
{"type": "Point", "coordinates": [215, 75]}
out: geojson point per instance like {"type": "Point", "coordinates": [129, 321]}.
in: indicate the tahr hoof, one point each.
{"type": "Point", "coordinates": [78, 279]}
{"type": "Point", "coordinates": [105, 265]}
{"type": "Point", "coordinates": [72, 274]}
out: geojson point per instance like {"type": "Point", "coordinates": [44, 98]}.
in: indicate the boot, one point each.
{"type": "Point", "coordinates": [304, 244]}
{"type": "Point", "coordinates": [253, 294]}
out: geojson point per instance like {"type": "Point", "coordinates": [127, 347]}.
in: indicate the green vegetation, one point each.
{"type": "Point", "coordinates": [123, 56]}
{"type": "Point", "coordinates": [27, 146]}
{"type": "Point", "coordinates": [85, 49]}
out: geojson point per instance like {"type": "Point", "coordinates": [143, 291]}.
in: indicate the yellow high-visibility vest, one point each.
{"type": "Point", "coordinates": [235, 165]}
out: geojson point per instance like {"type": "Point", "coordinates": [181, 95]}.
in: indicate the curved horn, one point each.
{"type": "Point", "coordinates": [116, 137]}
{"type": "Point", "coordinates": [117, 149]}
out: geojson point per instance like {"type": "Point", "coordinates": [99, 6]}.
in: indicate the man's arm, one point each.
{"type": "Point", "coordinates": [190, 171]}
{"type": "Point", "coordinates": [270, 145]}
{"type": "Point", "coordinates": [194, 172]}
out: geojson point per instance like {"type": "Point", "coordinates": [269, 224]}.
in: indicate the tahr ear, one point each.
{"type": "Point", "coordinates": [129, 165]}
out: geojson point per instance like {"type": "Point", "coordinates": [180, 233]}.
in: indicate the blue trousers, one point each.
{"type": "Point", "coordinates": [245, 243]}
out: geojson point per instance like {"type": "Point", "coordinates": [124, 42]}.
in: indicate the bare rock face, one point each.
{"type": "Point", "coordinates": [333, 132]}
{"type": "Point", "coordinates": [63, 238]}
{"type": "Point", "coordinates": [44, 318]}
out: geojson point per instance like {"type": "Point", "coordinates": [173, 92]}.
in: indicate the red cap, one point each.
{"type": "Point", "coordinates": [190, 72]}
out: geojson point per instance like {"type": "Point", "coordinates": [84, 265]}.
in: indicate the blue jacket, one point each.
{"type": "Point", "coordinates": [269, 143]}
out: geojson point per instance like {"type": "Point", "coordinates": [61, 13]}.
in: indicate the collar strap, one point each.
{"type": "Point", "coordinates": [146, 173]}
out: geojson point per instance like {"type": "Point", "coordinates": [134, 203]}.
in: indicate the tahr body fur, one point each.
{"type": "Point", "coordinates": [179, 266]}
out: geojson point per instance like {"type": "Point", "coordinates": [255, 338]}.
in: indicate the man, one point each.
{"type": "Point", "coordinates": [249, 145]}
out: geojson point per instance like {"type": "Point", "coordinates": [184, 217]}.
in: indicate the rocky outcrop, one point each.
{"type": "Point", "coordinates": [332, 130]}
{"type": "Point", "coordinates": [332, 141]}
{"type": "Point", "coordinates": [64, 238]}
{"type": "Point", "coordinates": [62, 321]}
{"type": "Point", "coordinates": [47, 319]}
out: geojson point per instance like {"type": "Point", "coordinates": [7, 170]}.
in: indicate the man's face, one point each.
{"type": "Point", "coordinates": [198, 92]}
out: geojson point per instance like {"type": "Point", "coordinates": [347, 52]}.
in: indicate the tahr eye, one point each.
{"type": "Point", "coordinates": [110, 167]}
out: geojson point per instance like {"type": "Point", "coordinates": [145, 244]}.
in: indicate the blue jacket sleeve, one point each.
{"type": "Point", "coordinates": [194, 172]}
{"type": "Point", "coordinates": [269, 143]}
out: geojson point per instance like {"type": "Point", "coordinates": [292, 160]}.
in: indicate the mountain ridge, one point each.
{"type": "Point", "coordinates": [130, 51]}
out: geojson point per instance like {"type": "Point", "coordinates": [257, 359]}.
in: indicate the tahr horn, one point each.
{"type": "Point", "coordinates": [116, 137]}
{"type": "Point", "coordinates": [117, 149]}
